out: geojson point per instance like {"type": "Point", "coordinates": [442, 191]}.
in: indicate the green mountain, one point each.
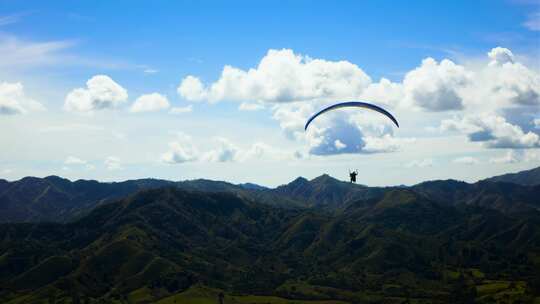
{"type": "Point", "coordinates": [326, 192]}
{"type": "Point", "coordinates": [172, 244]}
{"type": "Point", "coordinates": [528, 177]}
{"type": "Point", "coordinates": [56, 199]}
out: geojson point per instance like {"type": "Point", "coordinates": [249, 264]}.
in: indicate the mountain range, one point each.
{"type": "Point", "coordinates": [56, 199]}
{"type": "Point", "coordinates": [148, 241]}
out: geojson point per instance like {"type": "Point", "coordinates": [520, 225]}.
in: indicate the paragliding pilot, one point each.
{"type": "Point", "coordinates": [353, 175]}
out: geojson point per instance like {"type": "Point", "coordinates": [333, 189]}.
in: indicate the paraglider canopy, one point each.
{"type": "Point", "coordinates": [358, 104]}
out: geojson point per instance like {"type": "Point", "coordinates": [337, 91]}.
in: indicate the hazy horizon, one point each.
{"type": "Point", "coordinates": [191, 90]}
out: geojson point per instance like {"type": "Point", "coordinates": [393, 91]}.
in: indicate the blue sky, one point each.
{"type": "Point", "coordinates": [49, 50]}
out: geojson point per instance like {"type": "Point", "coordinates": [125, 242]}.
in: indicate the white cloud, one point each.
{"type": "Point", "coordinates": [292, 117]}
{"type": "Point", "coordinates": [500, 56]}
{"type": "Point", "coordinates": [180, 151]}
{"type": "Point", "coordinates": [339, 145]}
{"type": "Point", "coordinates": [385, 93]}
{"type": "Point", "coordinates": [427, 162]}
{"type": "Point", "coordinates": [338, 132]}
{"type": "Point", "coordinates": [260, 151]}
{"type": "Point", "coordinates": [72, 160]}
{"type": "Point", "coordinates": [14, 101]}
{"type": "Point", "coordinates": [299, 85]}
{"type": "Point", "coordinates": [183, 149]}
{"type": "Point", "coordinates": [250, 106]}
{"type": "Point", "coordinates": [536, 123]}
{"type": "Point", "coordinates": [493, 131]}
{"type": "Point", "coordinates": [322, 140]}
{"type": "Point", "coordinates": [385, 143]}
{"type": "Point", "coordinates": [281, 76]}
{"type": "Point", "coordinates": [504, 83]}
{"type": "Point", "coordinates": [113, 163]}
{"type": "Point", "coordinates": [181, 110]}
{"type": "Point", "coordinates": [225, 151]}
{"type": "Point", "coordinates": [191, 88]}
{"type": "Point", "coordinates": [436, 86]}
{"type": "Point", "coordinates": [466, 160]}
{"type": "Point", "coordinates": [101, 92]}
{"type": "Point", "coordinates": [150, 103]}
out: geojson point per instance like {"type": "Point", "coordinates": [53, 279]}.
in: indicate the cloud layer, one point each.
{"type": "Point", "coordinates": [183, 149]}
{"type": "Point", "coordinates": [298, 85]}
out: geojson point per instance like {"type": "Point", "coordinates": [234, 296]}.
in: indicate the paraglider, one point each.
{"type": "Point", "coordinates": [357, 104]}
{"type": "Point", "coordinates": [353, 175]}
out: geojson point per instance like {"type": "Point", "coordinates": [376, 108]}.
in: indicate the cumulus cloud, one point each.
{"type": "Point", "coordinates": [436, 86]}
{"type": "Point", "coordinates": [513, 84]}
{"type": "Point", "coordinates": [338, 132]}
{"type": "Point", "coordinates": [292, 117]}
{"type": "Point", "coordinates": [466, 160]}
{"type": "Point", "coordinates": [225, 151]}
{"type": "Point", "coordinates": [298, 85]}
{"type": "Point", "coordinates": [281, 76]}
{"type": "Point", "coordinates": [500, 56]}
{"type": "Point", "coordinates": [181, 110]}
{"type": "Point", "coordinates": [181, 150]}
{"type": "Point", "coordinates": [113, 163]}
{"type": "Point", "coordinates": [191, 88]}
{"type": "Point", "coordinates": [385, 143]}
{"type": "Point", "coordinates": [14, 101]}
{"type": "Point", "coordinates": [493, 131]}
{"type": "Point", "coordinates": [150, 103]}
{"type": "Point", "coordinates": [384, 93]}
{"type": "Point", "coordinates": [101, 92]}
{"type": "Point", "coordinates": [341, 137]}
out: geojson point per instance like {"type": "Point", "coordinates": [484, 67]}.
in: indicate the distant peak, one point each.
{"type": "Point", "coordinates": [299, 181]}
{"type": "Point", "coordinates": [325, 178]}
{"type": "Point", "coordinates": [56, 177]}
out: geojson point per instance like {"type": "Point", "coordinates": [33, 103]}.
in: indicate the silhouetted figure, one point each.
{"type": "Point", "coordinates": [221, 298]}
{"type": "Point", "coordinates": [353, 175]}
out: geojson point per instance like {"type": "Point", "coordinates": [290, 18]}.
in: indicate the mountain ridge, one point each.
{"type": "Point", "coordinates": [54, 198]}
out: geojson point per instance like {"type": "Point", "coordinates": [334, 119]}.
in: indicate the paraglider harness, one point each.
{"type": "Point", "coordinates": [353, 175]}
